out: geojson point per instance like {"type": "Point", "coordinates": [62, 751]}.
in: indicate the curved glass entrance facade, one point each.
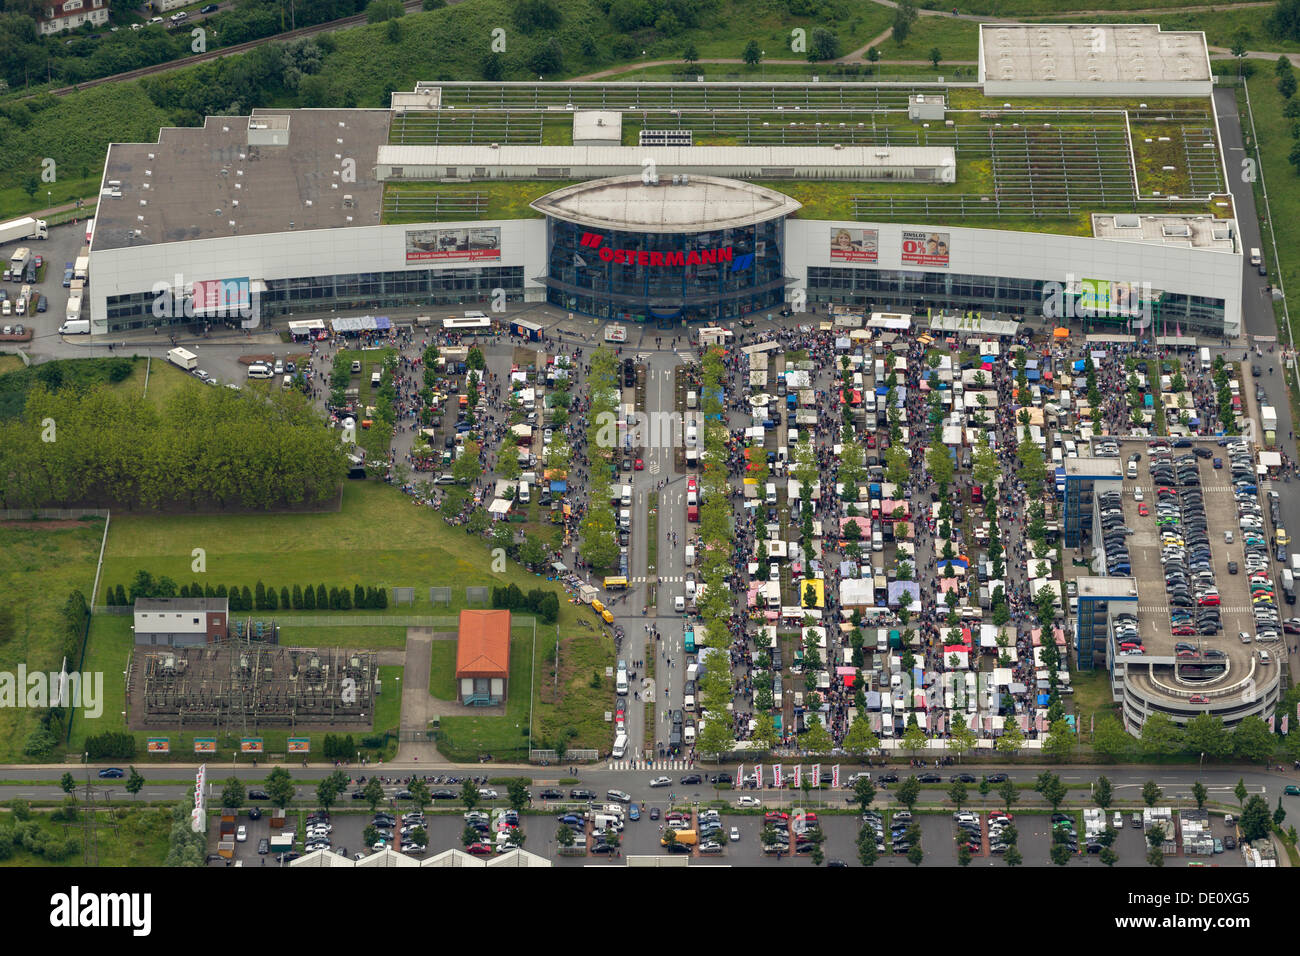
{"type": "Point", "coordinates": [643, 276]}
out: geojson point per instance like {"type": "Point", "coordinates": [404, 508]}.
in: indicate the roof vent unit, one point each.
{"type": "Point", "coordinates": [686, 179]}
{"type": "Point", "coordinates": [307, 202]}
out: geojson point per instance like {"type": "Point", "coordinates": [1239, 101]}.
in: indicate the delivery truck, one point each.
{"type": "Point", "coordinates": [73, 312]}
{"type": "Point", "coordinates": [81, 268]}
{"type": "Point", "coordinates": [1268, 418]}
{"type": "Point", "coordinates": [17, 230]}
{"type": "Point", "coordinates": [184, 359]}
{"type": "Point", "coordinates": [18, 262]}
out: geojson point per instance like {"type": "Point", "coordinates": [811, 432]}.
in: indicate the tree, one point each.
{"type": "Point", "coordinates": [374, 791]}
{"type": "Point", "coordinates": [1256, 821]}
{"type": "Point", "coordinates": [327, 791]}
{"type": "Point", "coordinates": [860, 740]}
{"type": "Point", "coordinates": [232, 795]}
{"type": "Point", "coordinates": [1252, 740]}
{"type": "Point", "coordinates": [517, 794]}
{"type": "Point", "coordinates": [913, 737]}
{"type": "Point", "coordinates": [1055, 792]}
{"type": "Point", "coordinates": [868, 853]}
{"type": "Point", "coordinates": [935, 56]}
{"type": "Point", "coordinates": [690, 54]}
{"type": "Point", "coordinates": [1011, 739]}
{"type": "Point", "coordinates": [1060, 740]}
{"type": "Point", "coordinates": [1108, 856]}
{"type": "Point", "coordinates": [469, 835]}
{"type": "Point", "coordinates": [824, 45]}
{"type": "Point", "coordinates": [904, 17]}
{"type": "Point", "coordinates": [915, 855]}
{"type": "Point", "coordinates": [1110, 739]}
{"type": "Point", "coordinates": [1279, 814]}
{"type": "Point", "coordinates": [68, 784]}
{"type": "Point", "coordinates": [1240, 792]}
{"type": "Point", "coordinates": [753, 53]}
{"type": "Point", "coordinates": [380, 10]}
{"type": "Point", "coordinates": [1160, 736]}
{"type": "Point", "coordinates": [908, 791]}
{"type": "Point", "coordinates": [564, 835]}
{"type": "Point", "coordinates": [1103, 792]}
{"type": "Point", "coordinates": [863, 793]}
{"type": "Point", "coordinates": [1199, 793]}
{"type": "Point", "coordinates": [469, 794]}
{"type": "Point", "coordinates": [1012, 856]}
{"type": "Point", "coordinates": [1286, 83]}
{"type": "Point", "coordinates": [1206, 734]}
{"type": "Point", "coordinates": [280, 787]}
{"type": "Point", "coordinates": [817, 740]}
{"type": "Point", "coordinates": [939, 463]}
{"type": "Point", "coordinates": [957, 793]}
{"type": "Point", "coordinates": [1151, 793]}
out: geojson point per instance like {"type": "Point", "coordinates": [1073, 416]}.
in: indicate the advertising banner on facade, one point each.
{"type": "Point", "coordinates": [299, 745]}
{"type": "Point", "coordinates": [926, 248]}
{"type": "Point", "coordinates": [855, 245]}
{"type": "Point", "coordinates": [250, 745]}
{"type": "Point", "coordinates": [159, 745]}
{"type": "Point", "coordinates": [482, 242]}
{"type": "Point", "coordinates": [222, 297]}
{"type": "Point", "coordinates": [205, 745]}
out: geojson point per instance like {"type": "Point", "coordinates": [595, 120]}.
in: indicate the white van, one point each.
{"type": "Point", "coordinates": [691, 400]}
{"type": "Point", "coordinates": [1264, 657]}
{"type": "Point", "coordinates": [625, 519]}
{"type": "Point", "coordinates": [679, 604]}
{"type": "Point", "coordinates": [287, 382]}
{"type": "Point", "coordinates": [620, 747]}
{"type": "Point", "coordinates": [882, 641]}
{"type": "Point", "coordinates": [620, 683]}
{"type": "Point", "coordinates": [626, 496]}
{"type": "Point", "coordinates": [690, 555]}
{"type": "Point", "coordinates": [375, 378]}
{"type": "Point", "coordinates": [1255, 257]}
{"type": "Point", "coordinates": [692, 435]}
{"type": "Point", "coordinates": [259, 370]}
{"type": "Point", "coordinates": [877, 541]}
{"type": "Point", "coordinates": [769, 493]}
{"type": "Point", "coordinates": [525, 492]}
{"type": "Point", "coordinates": [688, 703]}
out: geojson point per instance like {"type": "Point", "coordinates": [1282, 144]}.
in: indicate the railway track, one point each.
{"type": "Point", "coordinates": [328, 27]}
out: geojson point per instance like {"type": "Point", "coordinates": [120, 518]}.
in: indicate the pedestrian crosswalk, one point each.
{"type": "Point", "coordinates": [648, 765]}
{"type": "Point", "coordinates": [1165, 609]}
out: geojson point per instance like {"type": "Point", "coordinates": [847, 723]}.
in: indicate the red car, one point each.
{"type": "Point", "coordinates": [1182, 630]}
{"type": "Point", "coordinates": [1209, 600]}
{"type": "Point", "coordinates": [1143, 510]}
{"type": "Point", "coordinates": [639, 465]}
{"type": "Point", "coordinates": [871, 441]}
{"type": "Point", "coordinates": [479, 849]}
{"type": "Point", "coordinates": [976, 495]}
{"type": "Point", "coordinates": [1198, 699]}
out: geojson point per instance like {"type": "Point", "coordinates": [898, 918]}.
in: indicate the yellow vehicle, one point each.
{"type": "Point", "coordinates": [608, 618]}
{"type": "Point", "coordinates": [1283, 539]}
{"type": "Point", "coordinates": [615, 584]}
{"type": "Point", "coordinates": [597, 606]}
{"type": "Point", "coordinates": [684, 837]}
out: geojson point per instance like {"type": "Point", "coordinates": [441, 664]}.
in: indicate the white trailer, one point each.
{"type": "Point", "coordinates": [16, 230]}
{"type": "Point", "coordinates": [183, 358]}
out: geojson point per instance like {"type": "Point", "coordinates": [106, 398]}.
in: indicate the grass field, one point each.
{"type": "Point", "coordinates": [139, 838]}
{"type": "Point", "coordinates": [291, 636]}
{"type": "Point", "coordinates": [956, 40]}
{"type": "Point", "coordinates": [442, 670]}
{"type": "Point", "coordinates": [401, 546]}
{"type": "Point", "coordinates": [40, 564]}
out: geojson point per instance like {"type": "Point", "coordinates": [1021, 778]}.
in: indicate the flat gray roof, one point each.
{"type": "Point", "coordinates": [1097, 52]}
{"type": "Point", "coordinates": [701, 204]}
{"type": "Point", "coordinates": [192, 178]}
{"type": "Point", "coordinates": [181, 604]}
{"type": "Point", "coordinates": [1102, 587]}
{"type": "Point", "coordinates": [930, 157]}
{"type": "Point", "coordinates": [1199, 232]}
{"type": "Point", "coordinates": [1093, 468]}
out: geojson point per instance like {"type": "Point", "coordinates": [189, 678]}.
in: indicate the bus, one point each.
{"type": "Point", "coordinates": [616, 583]}
{"type": "Point", "coordinates": [471, 324]}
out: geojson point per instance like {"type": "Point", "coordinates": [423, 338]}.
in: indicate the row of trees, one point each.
{"type": "Point", "coordinates": [261, 598]}
{"type": "Point", "coordinates": [203, 448]}
{"type": "Point", "coordinates": [545, 604]}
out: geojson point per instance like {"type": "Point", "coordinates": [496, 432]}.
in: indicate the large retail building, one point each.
{"type": "Point", "coordinates": [697, 201]}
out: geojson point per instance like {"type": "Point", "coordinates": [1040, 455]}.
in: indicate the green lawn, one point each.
{"type": "Point", "coordinates": [955, 39]}
{"type": "Point", "coordinates": [385, 636]}
{"type": "Point", "coordinates": [442, 670]}
{"type": "Point", "coordinates": [40, 564]}
{"type": "Point", "coordinates": [388, 712]}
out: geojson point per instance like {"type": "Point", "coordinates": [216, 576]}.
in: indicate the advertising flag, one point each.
{"type": "Point", "coordinates": [798, 775]}
{"type": "Point", "coordinates": [835, 777]}
{"type": "Point", "coordinates": [740, 775]}
{"type": "Point", "coordinates": [776, 775]}
{"type": "Point", "coordinates": [816, 774]}
{"type": "Point", "coordinates": [1270, 723]}
{"type": "Point", "coordinates": [1286, 723]}
{"type": "Point", "coordinates": [758, 775]}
